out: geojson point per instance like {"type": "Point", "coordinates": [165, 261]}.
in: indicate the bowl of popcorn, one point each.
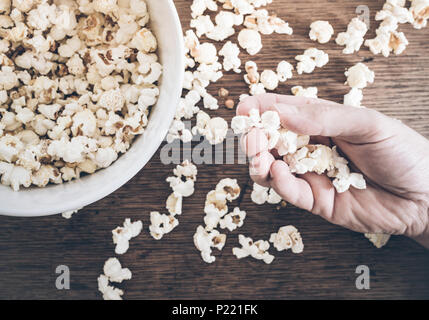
{"type": "Point", "coordinates": [88, 90]}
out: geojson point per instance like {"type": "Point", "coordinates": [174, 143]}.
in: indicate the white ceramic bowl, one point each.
{"type": "Point", "coordinates": [79, 193]}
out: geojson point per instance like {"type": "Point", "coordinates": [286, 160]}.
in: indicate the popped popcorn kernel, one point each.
{"type": "Point", "coordinates": [257, 250]}
{"type": "Point", "coordinates": [321, 31]}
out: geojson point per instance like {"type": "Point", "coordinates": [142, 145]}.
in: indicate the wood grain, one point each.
{"type": "Point", "coordinates": [31, 249]}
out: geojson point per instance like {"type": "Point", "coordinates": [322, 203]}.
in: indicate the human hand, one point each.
{"type": "Point", "coordinates": [393, 158]}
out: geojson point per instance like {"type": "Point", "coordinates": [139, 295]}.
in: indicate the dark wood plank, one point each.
{"type": "Point", "coordinates": [30, 249]}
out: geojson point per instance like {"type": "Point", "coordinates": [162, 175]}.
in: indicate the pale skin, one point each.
{"type": "Point", "coordinates": [393, 158]}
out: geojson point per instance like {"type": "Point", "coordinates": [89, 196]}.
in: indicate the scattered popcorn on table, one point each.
{"type": "Point", "coordinates": [353, 38]}
{"type": "Point", "coordinates": [261, 21]}
{"type": "Point", "coordinates": [261, 195]}
{"type": "Point", "coordinates": [284, 71]}
{"type": "Point", "coordinates": [359, 76]}
{"type": "Point", "coordinates": [388, 39]}
{"type": "Point", "coordinates": [113, 272]}
{"type": "Point", "coordinates": [69, 214]}
{"type": "Point", "coordinates": [354, 98]}
{"type": "Point", "coordinates": [269, 79]}
{"type": "Point", "coordinates": [80, 83]}
{"type": "Point", "coordinates": [250, 40]}
{"type": "Point", "coordinates": [123, 235]}
{"type": "Point", "coordinates": [379, 240]}
{"type": "Point", "coordinates": [257, 250]}
{"type": "Point", "coordinates": [213, 129]}
{"type": "Point", "coordinates": [310, 92]}
{"type": "Point", "coordinates": [321, 31]}
{"type": "Point", "coordinates": [287, 238]}
{"type": "Point", "coordinates": [161, 224]}
{"type": "Point", "coordinates": [204, 241]}
{"type": "Point", "coordinates": [233, 220]}
{"type": "Point", "coordinates": [311, 59]}
{"type": "Point", "coordinates": [229, 187]}
{"type": "Point", "coordinates": [420, 11]}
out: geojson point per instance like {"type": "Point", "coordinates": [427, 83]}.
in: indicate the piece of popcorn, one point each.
{"type": "Point", "coordinates": [114, 271]}
{"type": "Point", "coordinates": [269, 79]}
{"type": "Point", "coordinates": [359, 76]}
{"type": "Point", "coordinates": [144, 40]}
{"type": "Point", "coordinates": [243, 7]}
{"type": "Point", "coordinates": [14, 176]}
{"type": "Point", "coordinates": [202, 25]}
{"type": "Point", "coordinates": [180, 187]}
{"type": "Point", "coordinates": [353, 38]}
{"type": "Point", "coordinates": [213, 129]}
{"type": "Point", "coordinates": [287, 238]}
{"type": "Point", "coordinates": [261, 21]}
{"type": "Point", "coordinates": [205, 241]}
{"type": "Point", "coordinates": [205, 53]}
{"type": "Point", "coordinates": [230, 187]}
{"type": "Point", "coordinates": [161, 224]}
{"type": "Point", "coordinates": [274, 197]}
{"type": "Point", "coordinates": [252, 76]}
{"type": "Point", "coordinates": [256, 89]}
{"type": "Point", "coordinates": [354, 98]}
{"type": "Point", "coordinates": [257, 250]}
{"type": "Point", "coordinates": [215, 208]}
{"type": "Point", "coordinates": [233, 220]}
{"type": "Point", "coordinates": [259, 194]}
{"type": "Point", "coordinates": [122, 235]}
{"type": "Point", "coordinates": [420, 11]}
{"type": "Point", "coordinates": [310, 92]}
{"type": "Point", "coordinates": [109, 292]}
{"type": "Point", "coordinates": [387, 41]}
{"type": "Point", "coordinates": [224, 28]}
{"type": "Point", "coordinates": [379, 240]}
{"type": "Point", "coordinates": [311, 59]}
{"type": "Point", "coordinates": [198, 7]}
{"type": "Point", "coordinates": [270, 120]}
{"type": "Point", "coordinates": [284, 71]}
{"type": "Point", "coordinates": [174, 204]}
{"type": "Point", "coordinates": [250, 40]}
{"type": "Point", "coordinates": [187, 170]}
{"type": "Point", "coordinates": [321, 31]}
{"type": "Point", "coordinates": [69, 214]}
{"type": "Point", "coordinates": [231, 61]}
{"type": "Point", "coordinates": [178, 131]}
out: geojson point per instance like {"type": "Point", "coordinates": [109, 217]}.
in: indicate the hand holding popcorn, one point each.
{"type": "Point", "coordinates": [391, 156]}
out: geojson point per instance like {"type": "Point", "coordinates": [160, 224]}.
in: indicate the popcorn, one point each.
{"type": "Point", "coordinates": [187, 170]}
{"type": "Point", "coordinates": [109, 292]}
{"type": "Point", "coordinates": [180, 187]}
{"type": "Point", "coordinates": [161, 224]}
{"type": "Point", "coordinates": [233, 220]}
{"type": "Point", "coordinates": [174, 204]}
{"type": "Point", "coordinates": [420, 11]}
{"type": "Point", "coordinates": [269, 79]}
{"type": "Point", "coordinates": [205, 53]}
{"type": "Point", "coordinates": [215, 208]}
{"type": "Point", "coordinates": [202, 25]}
{"type": "Point", "coordinates": [198, 7]}
{"type": "Point", "coordinates": [213, 129]}
{"type": "Point", "coordinates": [224, 28]}
{"type": "Point", "coordinates": [69, 214]}
{"type": "Point", "coordinates": [311, 59]}
{"type": "Point", "coordinates": [261, 195]}
{"type": "Point", "coordinates": [359, 76]}
{"type": "Point", "coordinates": [77, 85]}
{"type": "Point", "coordinates": [231, 61]}
{"type": "Point", "coordinates": [114, 271]}
{"type": "Point", "coordinates": [284, 71]}
{"type": "Point", "coordinates": [122, 235]}
{"type": "Point", "coordinates": [379, 240]}
{"type": "Point", "coordinates": [321, 31]}
{"type": "Point", "coordinates": [261, 21]}
{"type": "Point", "coordinates": [354, 98]}
{"type": "Point", "coordinates": [287, 238]}
{"type": "Point", "coordinates": [386, 42]}
{"type": "Point", "coordinates": [230, 187]}
{"type": "Point", "coordinates": [310, 92]}
{"type": "Point", "coordinates": [204, 241]}
{"type": "Point", "coordinates": [250, 40]}
{"type": "Point", "coordinates": [353, 38]}
{"type": "Point", "coordinates": [257, 250]}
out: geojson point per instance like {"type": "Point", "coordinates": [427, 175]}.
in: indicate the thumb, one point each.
{"type": "Point", "coordinates": [355, 125]}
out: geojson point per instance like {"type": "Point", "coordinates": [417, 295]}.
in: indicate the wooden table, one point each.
{"type": "Point", "coordinates": [31, 249]}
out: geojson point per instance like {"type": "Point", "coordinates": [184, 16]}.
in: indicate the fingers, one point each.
{"type": "Point", "coordinates": [254, 142]}
{"type": "Point", "coordinates": [260, 168]}
{"type": "Point", "coordinates": [292, 189]}
{"type": "Point", "coordinates": [317, 117]}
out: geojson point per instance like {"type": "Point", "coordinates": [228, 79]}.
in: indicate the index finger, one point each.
{"type": "Point", "coordinates": [265, 102]}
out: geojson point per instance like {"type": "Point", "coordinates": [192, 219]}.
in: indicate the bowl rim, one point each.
{"type": "Point", "coordinates": [121, 180]}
